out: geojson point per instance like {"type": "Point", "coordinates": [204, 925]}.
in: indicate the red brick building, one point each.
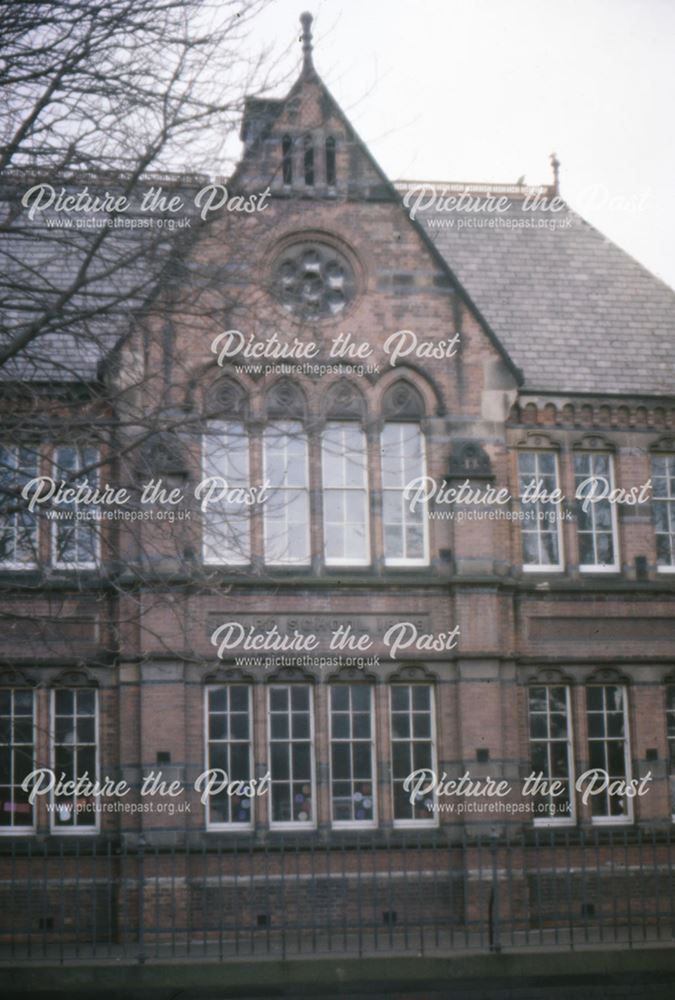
{"type": "Point", "coordinates": [481, 344]}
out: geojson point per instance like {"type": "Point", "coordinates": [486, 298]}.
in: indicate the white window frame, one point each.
{"type": "Point", "coordinates": [670, 742]}
{"type": "Point", "coordinates": [290, 825]}
{"type": "Point", "coordinates": [599, 567]}
{"type": "Point", "coordinates": [542, 567]}
{"type": "Point", "coordinates": [434, 817]}
{"type": "Point", "coordinates": [210, 433]}
{"type": "Point", "coordinates": [58, 563]}
{"type": "Point", "coordinates": [231, 826]}
{"type": "Point", "coordinates": [26, 829]}
{"type": "Point", "coordinates": [13, 564]}
{"type": "Point", "coordinates": [346, 561]}
{"type": "Point", "coordinates": [404, 561]}
{"type": "Point", "coordinates": [74, 830]}
{"type": "Point", "coordinates": [628, 816]}
{"type": "Point", "coordinates": [278, 427]}
{"type": "Point", "coordinates": [571, 818]}
{"type": "Point", "coordinates": [669, 502]}
{"type": "Point", "coordinates": [353, 824]}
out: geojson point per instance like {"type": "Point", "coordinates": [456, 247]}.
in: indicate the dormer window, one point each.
{"type": "Point", "coordinates": [287, 160]}
{"type": "Point", "coordinates": [309, 161]}
{"type": "Point", "coordinates": [330, 161]}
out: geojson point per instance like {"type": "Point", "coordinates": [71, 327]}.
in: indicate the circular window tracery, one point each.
{"type": "Point", "coordinates": [313, 281]}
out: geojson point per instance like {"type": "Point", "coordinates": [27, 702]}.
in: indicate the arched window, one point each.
{"type": "Point", "coordinates": [309, 161]}
{"type": "Point", "coordinates": [226, 479]}
{"type": "Point", "coordinates": [330, 161]}
{"type": "Point", "coordinates": [345, 494]}
{"type": "Point", "coordinates": [403, 458]}
{"type": "Point", "coordinates": [287, 160]}
{"type": "Point", "coordinates": [286, 469]}
{"type": "Point", "coordinates": [344, 463]}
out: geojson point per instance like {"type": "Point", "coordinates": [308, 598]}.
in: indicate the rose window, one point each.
{"type": "Point", "coordinates": [313, 281]}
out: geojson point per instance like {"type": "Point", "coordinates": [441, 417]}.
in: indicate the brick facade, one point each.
{"type": "Point", "coordinates": [144, 643]}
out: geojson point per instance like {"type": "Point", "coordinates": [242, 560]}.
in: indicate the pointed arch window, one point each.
{"type": "Point", "coordinates": [345, 494]}
{"type": "Point", "coordinates": [286, 512]}
{"type": "Point", "coordinates": [225, 514]}
{"type": "Point", "coordinates": [403, 460]}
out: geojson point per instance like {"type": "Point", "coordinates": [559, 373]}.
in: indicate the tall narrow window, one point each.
{"type": "Point", "coordinates": [412, 749]}
{"type": "Point", "coordinates": [309, 161]}
{"type": "Point", "coordinates": [17, 755]}
{"type": "Point", "coordinates": [286, 510]}
{"type": "Point", "coordinates": [228, 720]}
{"type": "Point", "coordinates": [18, 526]}
{"type": "Point", "coordinates": [609, 748]}
{"type": "Point", "coordinates": [74, 756]}
{"type": "Point", "coordinates": [541, 536]}
{"type": "Point", "coordinates": [75, 540]}
{"type": "Point", "coordinates": [596, 519]}
{"type": "Point", "coordinates": [670, 724]}
{"type": "Point", "coordinates": [287, 160]}
{"type": "Point", "coordinates": [405, 521]}
{"type": "Point", "coordinates": [226, 517]}
{"type": "Point", "coordinates": [551, 752]}
{"type": "Point", "coordinates": [352, 746]}
{"type": "Point", "coordinates": [663, 506]}
{"type": "Point", "coordinates": [330, 161]}
{"type": "Point", "coordinates": [345, 495]}
{"type": "Point", "coordinates": [291, 755]}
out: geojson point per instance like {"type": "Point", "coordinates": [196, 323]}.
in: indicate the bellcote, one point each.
{"type": "Point", "coordinates": [303, 145]}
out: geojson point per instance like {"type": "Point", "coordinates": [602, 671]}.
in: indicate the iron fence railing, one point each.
{"type": "Point", "coordinates": [73, 900]}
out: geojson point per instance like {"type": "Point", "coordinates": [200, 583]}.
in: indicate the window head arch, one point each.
{"type": "Point", "coordinates": [344, 402]}
{"type": "Point", "coordinates": [402, 401]}
{"type": "Point", "coordinates": [285, 401]}
{"type": "Point", "coordinates": [227, 398]}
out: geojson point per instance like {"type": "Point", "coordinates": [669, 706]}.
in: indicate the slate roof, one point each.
{"type": "Point", "coordinates": [574, 311]}
{"type": "Point", "coordinates": [39, 265]}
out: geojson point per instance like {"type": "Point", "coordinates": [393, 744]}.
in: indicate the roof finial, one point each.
{"type": "Point", "coordinates": [555, 163]}
{"type": "Point", "coordinates": [306, 39]}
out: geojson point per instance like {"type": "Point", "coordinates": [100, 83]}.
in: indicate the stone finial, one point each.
{"type": "Point", "coordinates": [555, 163]}
{"type": "Point", "coordinates": [306, 39]}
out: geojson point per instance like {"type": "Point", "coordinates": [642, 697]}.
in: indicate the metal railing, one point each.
{"type": "Point", "coordinates": [423, 893]}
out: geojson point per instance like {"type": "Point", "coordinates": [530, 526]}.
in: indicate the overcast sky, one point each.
{"type": "Point", "coordinates": [485, 90]}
